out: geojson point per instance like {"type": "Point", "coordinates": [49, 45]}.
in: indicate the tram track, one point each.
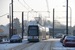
{"type": "Point", "coordinates": [51, 44]}
{"type": "Point", "coordinates": [27, 46]}
{"type": "Point", "coordinates": [43, 46]}
{"type": "Point", "coordinates": [21, 47]}
{"type": "Point", "coordinates": [46, 45]}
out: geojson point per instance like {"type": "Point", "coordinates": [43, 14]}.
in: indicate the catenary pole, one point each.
{"type": "Point", "coordinates": [53, 22]}
{"type": "Point", "coordinates": [12, 16]}
{"type": "Point", "coordinates": [22, 24]}
{"type": "Point", "coordinates": [67, 17]}
{"type": "Point", "coordinates": [10, 20]}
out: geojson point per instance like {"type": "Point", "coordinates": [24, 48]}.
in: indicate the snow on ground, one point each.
{"type": "Point", "coordinates": [53, 39]}
{"type": "Point", "coordinates": [57, 45]}
{"type": "Point", "coordinates": [11, 45]}
{"type": "Point", "coordinates": [39, 46]}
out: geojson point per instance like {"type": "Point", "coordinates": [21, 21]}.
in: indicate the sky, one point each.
{"type": "Point", "coordinates": [37, 5]}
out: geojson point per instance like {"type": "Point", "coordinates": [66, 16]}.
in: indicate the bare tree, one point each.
{"type": "Point", "coordinates": [16, 25]}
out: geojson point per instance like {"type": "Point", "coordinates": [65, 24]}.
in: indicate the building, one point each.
{"type": "Point", "coordinates": [4, 31]}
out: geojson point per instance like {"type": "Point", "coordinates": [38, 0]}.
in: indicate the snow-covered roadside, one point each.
{"type": "Point", "coordinates": [57, 45]}
{"type": "Point", "coordinates": [11, 45]}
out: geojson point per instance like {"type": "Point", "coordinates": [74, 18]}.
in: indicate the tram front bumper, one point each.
{"type": "Point", "coordinates": [33, 39]}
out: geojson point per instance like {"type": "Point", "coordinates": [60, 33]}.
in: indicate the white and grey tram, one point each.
{"type": "Point", "coordinates": [37, 33]}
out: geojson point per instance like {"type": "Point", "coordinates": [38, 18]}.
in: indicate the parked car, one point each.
{"type": "Point", "coordinates": [63, 37]}
{"type": "Point", "coordinates": [58, 35]}
{"type": "Point", "coordinates": [69, 41]}
{"type": "Point", "coordinates": [16, 38]}
{"type": "Point", "coordinates": [0, 38]}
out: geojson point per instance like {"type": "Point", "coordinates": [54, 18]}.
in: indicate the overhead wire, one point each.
{"type": "Point", "coordinates": [38, 11]}
{"type": "Point", "coordinates": [22, 4]}
{"type": "Point", "coordinates": [59, 4]}
{"type": "Point", "coordinates": [48, 7]}
{"type": "Point", "coordinates": [26, 7]}
{"type": "Point", "coordinates": [4, 15]}
{"type": "Point", "coordinates": [27, 4]}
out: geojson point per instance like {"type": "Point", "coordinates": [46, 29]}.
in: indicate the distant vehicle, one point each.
{"type": "Point", "coordinates": [69, 41]}
{"type": "Point", "coordinates": [16, 38]}
{"type": "Point", "coordinates": [0, 38]}
{"type": "Point", "coordinates": [58, 35]}
{"type": "Point", "coordinates": [63, 37]}
{"type": "Point", "coordinates": [37, 33]}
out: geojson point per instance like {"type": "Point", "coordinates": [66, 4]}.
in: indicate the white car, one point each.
{"type": "Point", "coordinates": [58, 35]}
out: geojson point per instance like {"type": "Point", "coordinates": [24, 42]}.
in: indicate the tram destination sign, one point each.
{"type": "Point", "coordinates": [33, 27]}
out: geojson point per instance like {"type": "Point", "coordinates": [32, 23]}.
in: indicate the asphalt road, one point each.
{"type": "Point", "coordinates": [50, 44]}
{"type": "Point", "coordinates": [42, 45]}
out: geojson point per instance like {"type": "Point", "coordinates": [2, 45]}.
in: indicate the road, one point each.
{"type": "Point", "coordinates": [50, 44]}
{"type": "Point", "coordinates": [42, 45]}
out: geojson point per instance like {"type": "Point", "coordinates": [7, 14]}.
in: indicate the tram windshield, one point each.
{"type": "Point", "coordinates": [33, 31]}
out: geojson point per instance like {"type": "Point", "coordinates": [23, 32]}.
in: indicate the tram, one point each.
{"type": "Point", "coordinates": [37, 33]}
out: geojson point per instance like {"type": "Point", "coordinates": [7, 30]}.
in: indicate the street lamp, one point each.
{"type": "Point", "coordinates": [70, 16]}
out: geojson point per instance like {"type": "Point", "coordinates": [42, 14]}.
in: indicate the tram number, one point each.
{"type": "Point", "coordinates": [33, 37]}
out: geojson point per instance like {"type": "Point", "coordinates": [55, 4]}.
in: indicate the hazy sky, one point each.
{"type": "Point", "coordinates": [37, 5]}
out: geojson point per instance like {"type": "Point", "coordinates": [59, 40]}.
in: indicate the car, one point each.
{"type": "Point", "coordinates": [0, 38]}
{"type": "Point", "coordinates": [63, 37]}
{"type": "Point", "coordinates": [15, 38]}
{"type": "Point", "coordinates": [69, 41]}
{"type": "Point", "coordinates": [58, 35]}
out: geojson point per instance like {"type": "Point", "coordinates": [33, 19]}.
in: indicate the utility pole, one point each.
{"type": "Point", "coordinates": [67, 17]}
{"type": "Point", "coordinates": [12, 15]}
{"type": "Point", "coordinates": [70, 17]}
{"type": "Point", "coordinates": [22, 24]}
{"type": "Point", "coordinates": [53, 22]}
{"type": "Point", "coordinates": [10, 20]}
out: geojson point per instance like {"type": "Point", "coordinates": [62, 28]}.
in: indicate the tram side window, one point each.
{"type": "Point", "coordinates": [40, 31]}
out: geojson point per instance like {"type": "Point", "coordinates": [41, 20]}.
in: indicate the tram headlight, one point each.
{"type": "Point", "coordinates": [37, 37]}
